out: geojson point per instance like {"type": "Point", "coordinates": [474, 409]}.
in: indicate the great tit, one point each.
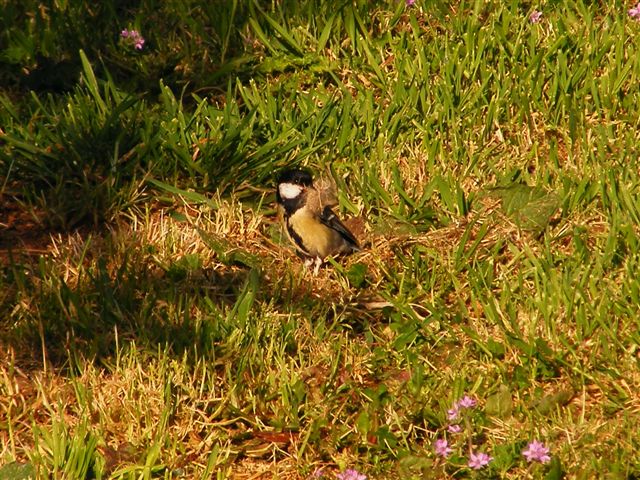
{"type": "Point", "coordinates": [310, 223]}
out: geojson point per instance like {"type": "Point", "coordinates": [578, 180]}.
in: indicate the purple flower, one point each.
{"type": "Point", "coordinates": [410, 3]}
{"type": "Point", "coordinates": [635, 12]}
{"type": "Point", "coordinates": [453, 413]}
{"type": "Point", "coordinates": [317, 473]}
{"type": "Point", "coordinates": [479, 460]}
{"type": "Point", "coordinates": [454, 428]}
{"type": "Point", "coordinates": [351, 474]}
{"type": "Point", "coordinates": [536, 16]}
{"type": "Point", "coordinates": [133, 34]}
{"type": "Point", "coordinates": [442, 448]}
{"type": "Point", "coordinates": [536, 451]}
{"type": "Point", "coordinates": [467, 402]}
{"type": "Point", "coordinates": [133, 37]}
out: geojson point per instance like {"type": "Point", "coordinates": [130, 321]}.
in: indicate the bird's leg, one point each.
{"type": "Point", "coordinates": [318, 262]}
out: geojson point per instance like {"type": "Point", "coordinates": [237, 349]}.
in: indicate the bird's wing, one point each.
{"type": "Point", "coordinates": [331, 220]}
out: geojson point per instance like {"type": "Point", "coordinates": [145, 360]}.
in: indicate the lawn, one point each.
{"type": "Point", "coordinates": [155, 322]}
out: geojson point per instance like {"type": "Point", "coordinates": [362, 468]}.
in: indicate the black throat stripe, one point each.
{"type": "Point", "coordinates": [297, 240]}
{"type": "Point", "coordinates": [290, 205]}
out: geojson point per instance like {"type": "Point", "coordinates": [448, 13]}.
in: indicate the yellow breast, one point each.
{"type": "Point", "coordinates": [317, 239]}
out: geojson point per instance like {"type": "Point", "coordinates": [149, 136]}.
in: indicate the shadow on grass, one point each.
{"type": "Point", "coordinates": [181, 306]}
{"type": "Point", "coordinates": [106, 307]}
{"type": "Point", "coordinates": [39, 46]}
{"type": "Point", "coordinates": [195, 47]}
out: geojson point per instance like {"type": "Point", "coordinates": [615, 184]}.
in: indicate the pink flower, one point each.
{"type": "Point", "coordinates": [442, 448]}
{"type": "Point", "coordinates": [351, 474]}
{"type": "Point", "coordinates": [454, 428]}
{"type": "Point", "coordinates": [133, 37]}
{"type": "Point", "coordinates": [535, 17]}
{"type": "Point", "coordinates": [536, 451]}
{"type": "Point", "coordinates": [317, 473]}
{"type": "Point", "coordinates": [635, 12]}
{"type": "Point", "coordinates": [479, 460]}
{"type": "Point", "coordinates": [467, 402]}
{"type": "Point", "coordinates": [453, 413]}
{"type": "Point", "coordinates": [410, 3]}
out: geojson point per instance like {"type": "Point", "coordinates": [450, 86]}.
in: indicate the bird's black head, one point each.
{"type": "Point", "coordinates": [296, 177]}
{"type": "Point", "coordinates": [291, 188]}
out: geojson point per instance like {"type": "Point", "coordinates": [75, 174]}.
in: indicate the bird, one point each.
{"type": "Point", "coordinates": [312, 226]}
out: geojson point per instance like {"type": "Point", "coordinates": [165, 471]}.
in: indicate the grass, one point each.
{"type": "Point", "coordinates": [155, 322]}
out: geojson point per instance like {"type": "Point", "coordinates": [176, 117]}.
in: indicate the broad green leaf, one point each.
{"type": "Point", "coordinates": [500, 404]}
{"type": "Point", "coordinates": [549, 402]}
{"type": "Point", "coordinates": [531, 208]}
{"type": "Point", "coordinates": [18, 471]}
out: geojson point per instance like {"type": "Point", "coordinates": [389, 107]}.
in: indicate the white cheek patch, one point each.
{"type": "Point", "coordinates": [289, 191]}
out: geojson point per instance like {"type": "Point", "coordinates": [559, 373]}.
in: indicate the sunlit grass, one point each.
{"type": "Point", "coordinates": [156, 324]}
